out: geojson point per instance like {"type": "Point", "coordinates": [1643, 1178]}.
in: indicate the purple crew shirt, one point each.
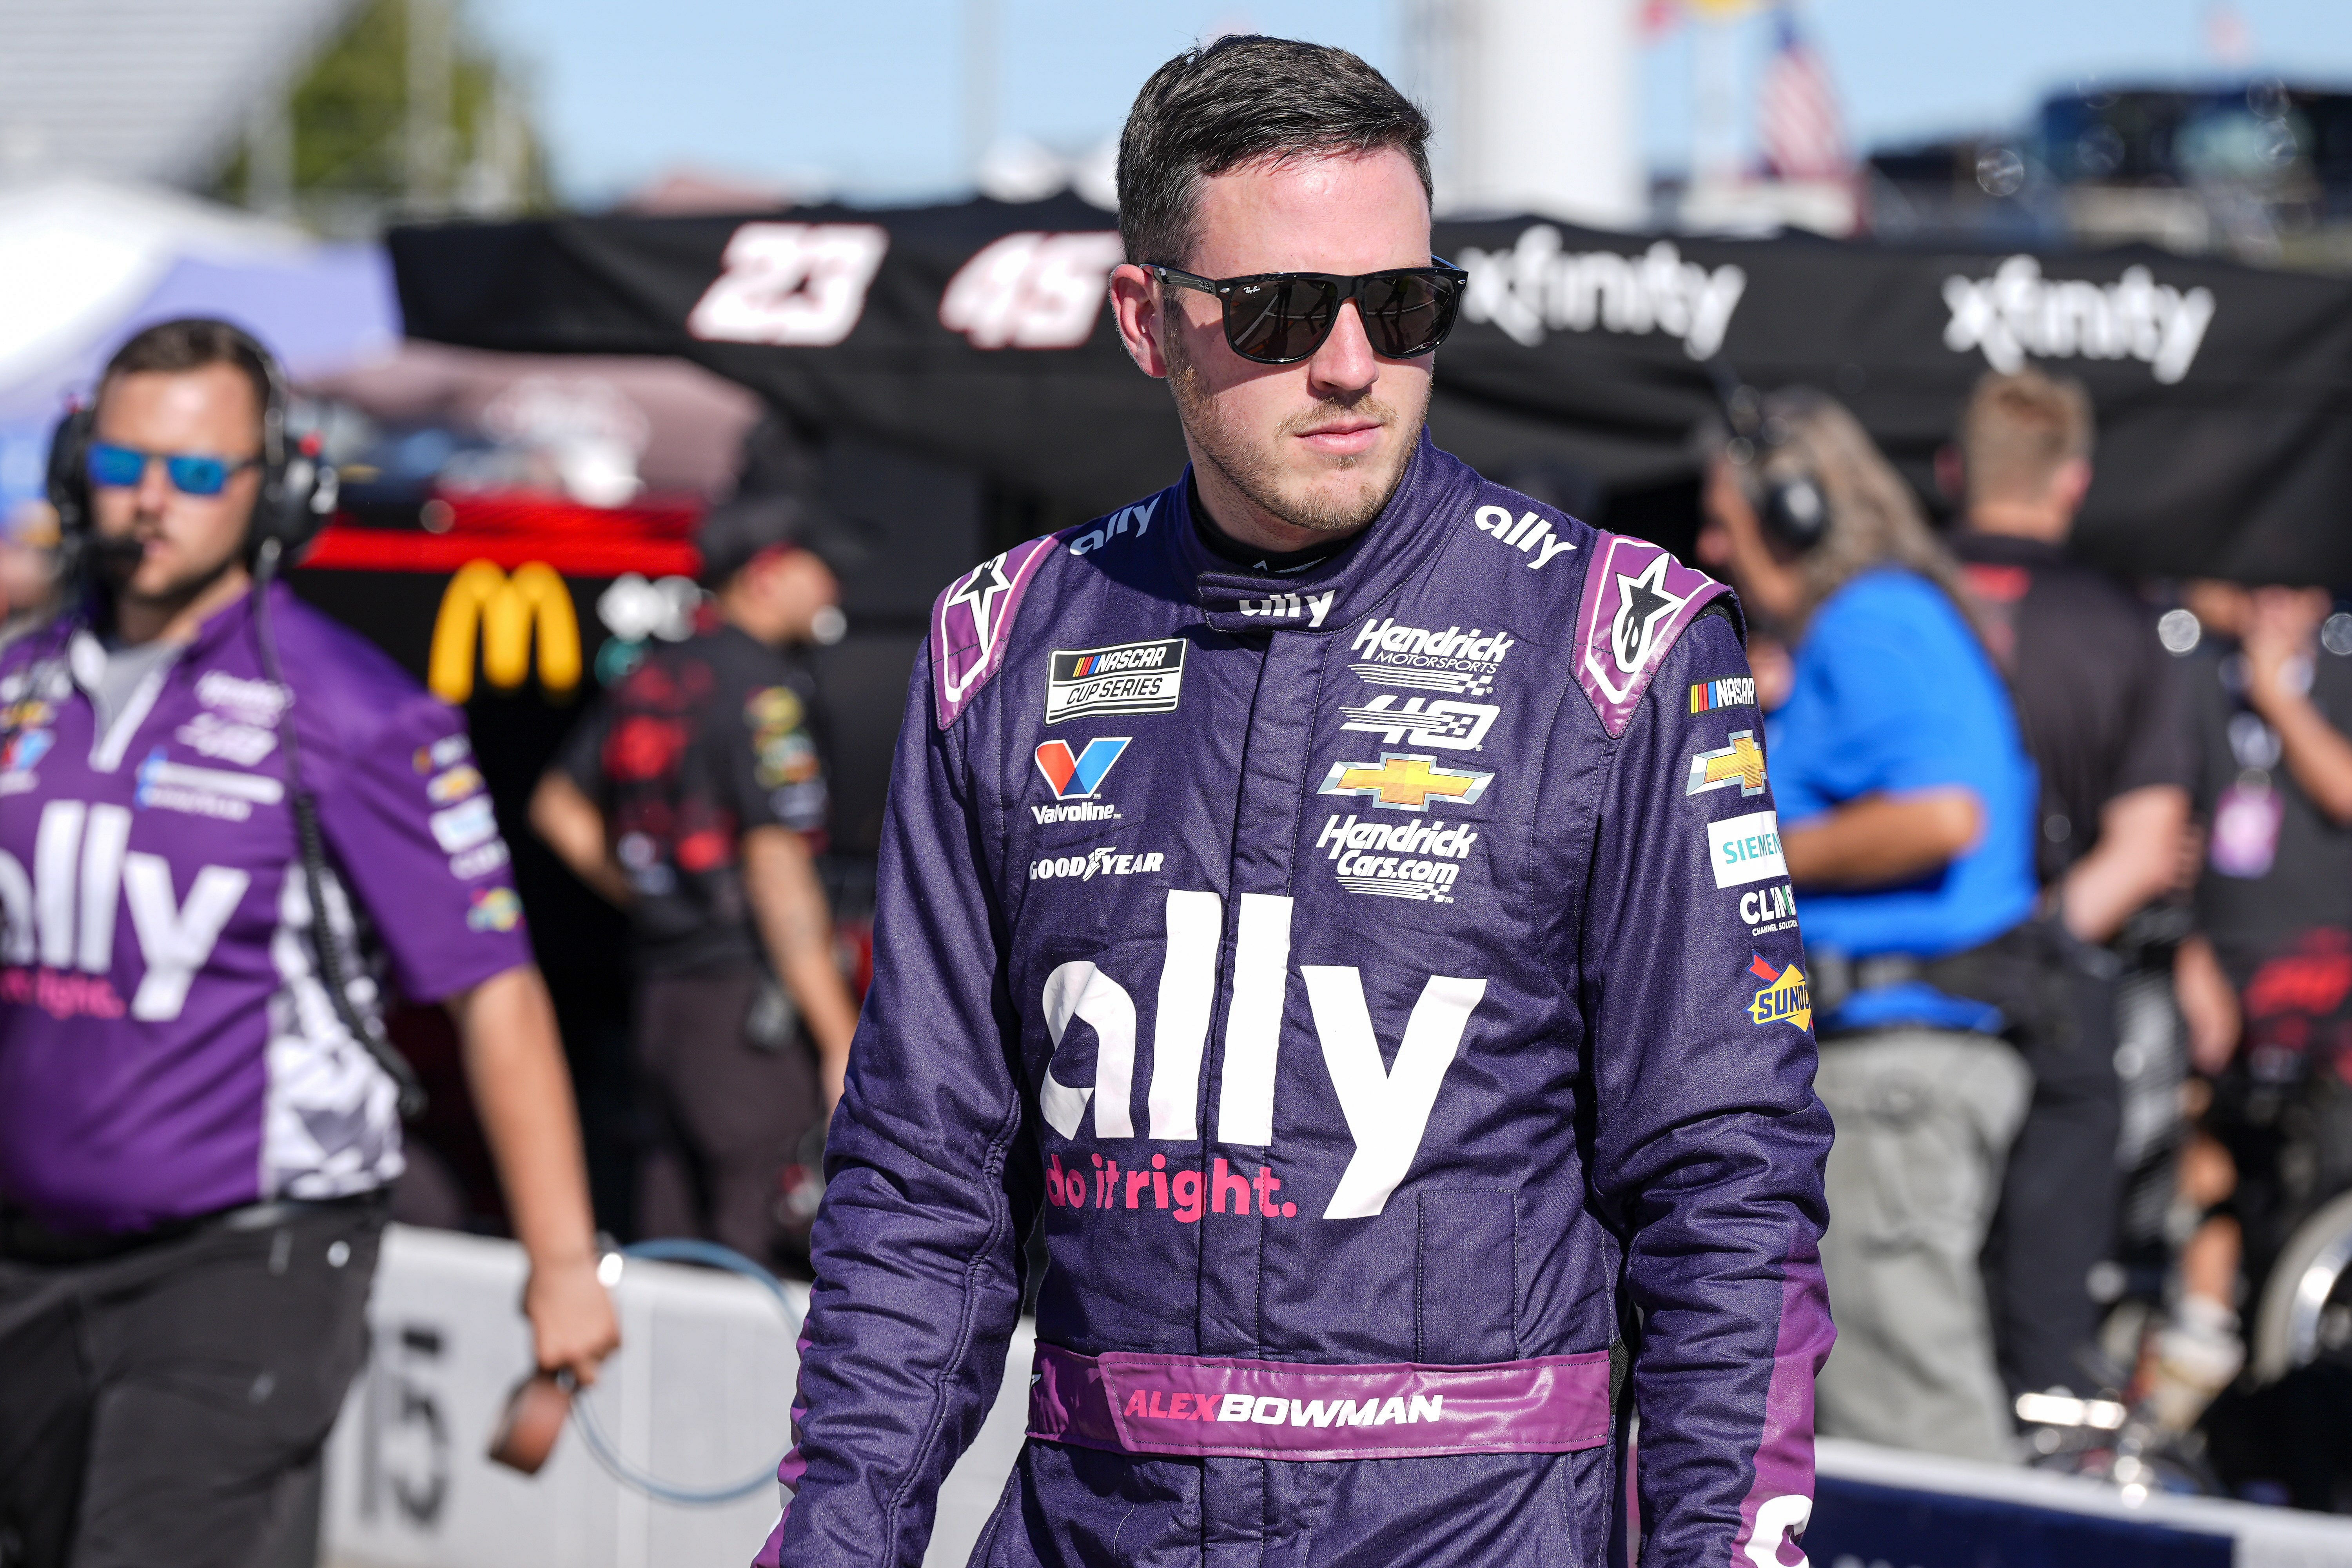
{"type": "Point", "coordinates": [167, 1048]}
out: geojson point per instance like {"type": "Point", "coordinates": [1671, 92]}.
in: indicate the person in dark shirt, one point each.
{"type": "Point", "coordinates": [2273, 703]}
{"type": "Point", "coordinates": [2102, 712]}
{"type": "Point", "coordinates": [692, 794]}
{"type": "Point", "coordinates": [2267, 980]}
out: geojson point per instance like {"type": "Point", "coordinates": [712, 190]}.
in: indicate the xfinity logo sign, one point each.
{"type": "Point", "coordinates": [2017, 312]}
{"type": "Point", "coordinates": [1536, 285]}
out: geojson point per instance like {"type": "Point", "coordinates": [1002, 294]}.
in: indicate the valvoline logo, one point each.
{"type": "Point", "coordinates": [1076, 775]}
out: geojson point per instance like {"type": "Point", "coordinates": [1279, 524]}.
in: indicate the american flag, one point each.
{"type": "Point", "coordinates": [1797, 110]}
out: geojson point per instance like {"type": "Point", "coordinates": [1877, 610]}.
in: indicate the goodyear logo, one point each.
{"type": "Point", "coordinates": [502, 611]}
{"type": "Point", "coordinates": [1785, 998]}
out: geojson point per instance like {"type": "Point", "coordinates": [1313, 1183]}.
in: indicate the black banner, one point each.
{"type": "Point", "coordinates": [976, 334]}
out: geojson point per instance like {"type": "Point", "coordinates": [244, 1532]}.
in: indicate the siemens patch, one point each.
{"type": "Point", "coordinates": [1131, 678]}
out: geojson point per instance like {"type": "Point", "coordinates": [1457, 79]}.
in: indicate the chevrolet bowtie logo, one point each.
{"type": "Point", "coordinates": [1403, 780]}
{"type": "Point", "coordinates": [1741, 763]}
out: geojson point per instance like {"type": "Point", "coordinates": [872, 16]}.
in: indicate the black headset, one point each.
{"type": "Point", "coordinates": [298, 491]}
{"type": "Point", "coordinates": [1790, 504]}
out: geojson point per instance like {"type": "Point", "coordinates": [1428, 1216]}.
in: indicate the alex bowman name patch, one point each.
{"type": "Point", "coordinates": [1131, 678]}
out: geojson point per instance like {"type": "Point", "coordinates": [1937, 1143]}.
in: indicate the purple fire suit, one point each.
{"type": "Point", "coordinates": [167, 1049]}
{"type": "Point", "coordinates": [1377, 978]}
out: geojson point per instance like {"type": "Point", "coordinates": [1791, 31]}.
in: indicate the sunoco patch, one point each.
{"type": "Point", "coordinates": [1130, 678]}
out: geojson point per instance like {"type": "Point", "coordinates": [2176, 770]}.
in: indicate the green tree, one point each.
{"type": "Point", "coordinates": [352, 152]}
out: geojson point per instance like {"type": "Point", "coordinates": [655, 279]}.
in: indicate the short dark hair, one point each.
{"type": "Point", "coordinates": [192, 342]}
{"type": "Point", "coordinates": [1237, 100]}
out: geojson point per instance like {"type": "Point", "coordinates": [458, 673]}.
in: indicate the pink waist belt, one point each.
{"type": "Point", "coordinates": [1129, 1403]}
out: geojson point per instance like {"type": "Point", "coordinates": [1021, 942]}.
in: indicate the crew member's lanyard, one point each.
{"type": "Point", "coordinates": [2246, 818]}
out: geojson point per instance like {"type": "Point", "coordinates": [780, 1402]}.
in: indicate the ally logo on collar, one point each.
{"type": "Point", "coordinates": [1290, 607]}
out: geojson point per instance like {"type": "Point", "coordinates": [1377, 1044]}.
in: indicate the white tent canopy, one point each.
{"type": "Point", "coordinates": [145, 90]}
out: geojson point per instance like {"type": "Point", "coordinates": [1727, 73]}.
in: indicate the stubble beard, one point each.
{"type": "Point", "coordinates": [175, 593]}
{"type": "Point", "coordinates": [1249, 464]}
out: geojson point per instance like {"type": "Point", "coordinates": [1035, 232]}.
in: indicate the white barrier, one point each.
{"type": "Point", "coordinates": [700, 1394]}
{"type": "Point", "coordinates": [2264, 1537]}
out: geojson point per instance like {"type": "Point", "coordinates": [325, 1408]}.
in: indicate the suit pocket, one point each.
{"type": "Point", "coordinates": [1466, 1278]}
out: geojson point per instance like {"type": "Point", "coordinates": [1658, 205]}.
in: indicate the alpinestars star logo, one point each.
{"type": "Point", "coordinates": [979, 592]}
{"type": "Point", "coordinates": [1643, 604]}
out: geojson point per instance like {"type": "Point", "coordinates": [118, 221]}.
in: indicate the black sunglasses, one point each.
{"type": "Point", "coordinates": [1281, 318]}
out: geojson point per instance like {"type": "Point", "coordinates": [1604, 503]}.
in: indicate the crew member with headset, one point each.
{"type": "Point", "coordinates": [1906, 803]}
{"type": "Point", "coordinates": [199, 1114]}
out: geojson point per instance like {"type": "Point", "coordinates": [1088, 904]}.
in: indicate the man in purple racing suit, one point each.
{"type": "Point", "coordinates": [195, 1136]}
{"type": "Point", "coordinates": [1339, 902]}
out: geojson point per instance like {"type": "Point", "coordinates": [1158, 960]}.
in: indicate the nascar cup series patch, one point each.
{"type": "Point", "coordinates": [1130, 678]}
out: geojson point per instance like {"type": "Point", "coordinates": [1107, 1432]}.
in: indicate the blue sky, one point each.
{"type": "Point", "coordinates": [870, 98]}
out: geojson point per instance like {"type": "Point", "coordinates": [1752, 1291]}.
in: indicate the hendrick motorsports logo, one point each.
{"type": "Point", "coordinates": [1459, 663]}
{"type": "Point", "coordinates": [1130, 678]}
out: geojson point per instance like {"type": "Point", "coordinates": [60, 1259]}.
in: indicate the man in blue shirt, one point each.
{"type": "Point", "coordinates": [1907, 803]}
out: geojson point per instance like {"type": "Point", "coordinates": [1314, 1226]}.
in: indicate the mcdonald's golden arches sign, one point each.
{"type": "Point", "coordinates": [504, 611]}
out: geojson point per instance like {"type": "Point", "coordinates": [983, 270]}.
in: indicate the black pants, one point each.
{"type": "Point", "coordinates": [160, 1408]}
{"type": "Point", "coordinates": [733, 1113]}
{"type": "Point", "coordinates": [2058, 1199]}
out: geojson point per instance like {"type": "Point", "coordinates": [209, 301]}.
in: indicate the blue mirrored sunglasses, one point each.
{"type": "Point", "coordinates": [121, 467]}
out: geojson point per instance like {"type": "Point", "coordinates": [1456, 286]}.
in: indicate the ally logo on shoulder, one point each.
{"type": "Point", "coordinates": [1746, 849]}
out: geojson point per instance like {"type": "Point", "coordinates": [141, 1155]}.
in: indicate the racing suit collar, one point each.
{"type": "Point", "coordinates": [1342, 590]}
